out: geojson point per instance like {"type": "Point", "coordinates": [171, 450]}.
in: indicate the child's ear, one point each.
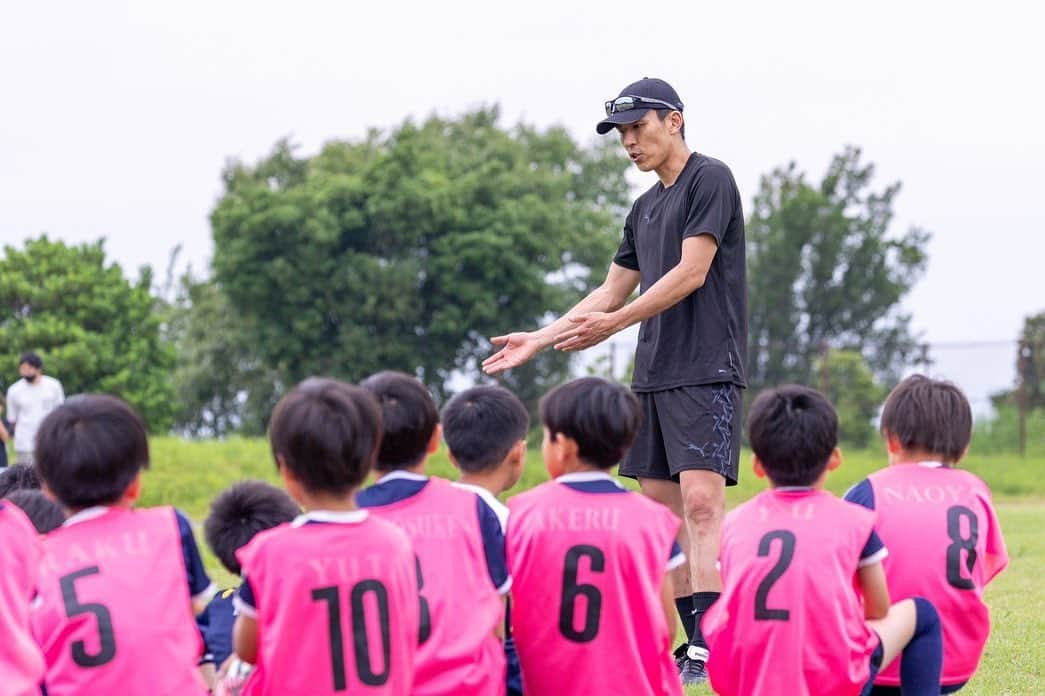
{"type": "Point", "coordinates": [517, 455]}
{"type": "Point", "coordinates": [756, 466]}
{"type": "Point", "coordinates": [290, 482]}
{"type": "Point", "coordinates": [892, 443]}
{"type": "Point", "coordinates": [437, 437]}
{"type": "Point", "coordinates": [835, 460]}
{"type": "Point", "coordinates": [134, 490]}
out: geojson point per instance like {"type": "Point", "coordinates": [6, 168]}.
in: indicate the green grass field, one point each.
{"type": "Point", "coordinates": [188, 474]}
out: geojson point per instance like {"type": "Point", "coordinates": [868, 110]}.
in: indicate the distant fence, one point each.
{"type": "Point", "coordinates": [981, 368]}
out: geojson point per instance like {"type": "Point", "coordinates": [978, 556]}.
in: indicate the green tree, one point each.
{"type": "Point", "coordinates": [220, 385]}
{"type": "Point", "coordinates": [95, 330]}
{"type": "Point", "coordinates": [1030, 362]}
{"type": "Point", "coordinates": [823, 271]}
{"type": "Point", "coordinates": [847, 380]}
{"type": "Point", "coordinates": [407, 250]}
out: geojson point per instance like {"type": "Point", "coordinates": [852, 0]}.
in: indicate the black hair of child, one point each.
{"type": "Point", "coordinates": [482, 424]}
{"type": "Point", "coordinates": [602, 417]}
{"type": "Point", "coordinates": [18, 477]}
{"type": "Point", "coordinates": [929, 415]}
{"type": "Point", "coordinates": [793, 430]}
{"type": "Point", "coordinates": [45, 514]}
{"type": "Point", "coordinates": [327, 433]}
{"type": "Point", "coordinates": [239, 512]}
{"type": "Point", "coordinates": [90, 449]}
{"type": "Point", "coordinates": [409, 416]}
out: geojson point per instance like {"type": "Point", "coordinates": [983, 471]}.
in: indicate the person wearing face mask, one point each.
{"type": "Point", "coordinates": [29, 400]}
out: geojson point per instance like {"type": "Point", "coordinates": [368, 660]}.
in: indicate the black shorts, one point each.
{"type": "Point", "coordinates": [687, 428]}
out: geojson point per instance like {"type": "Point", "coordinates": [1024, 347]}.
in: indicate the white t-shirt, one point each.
{"type": "Point", "coordinates": [28, 405]}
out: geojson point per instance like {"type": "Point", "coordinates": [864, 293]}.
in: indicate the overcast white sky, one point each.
{"type": "Point", "coordinates": [116, 117]}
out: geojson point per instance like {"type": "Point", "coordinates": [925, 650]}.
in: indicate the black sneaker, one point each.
{"type": "Point", "coordinates": [693, 670]}
{"type": "Point", "coordinates": [680, 656]}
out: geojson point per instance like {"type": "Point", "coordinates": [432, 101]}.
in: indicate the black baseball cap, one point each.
{"type": "Point", "coordinates": [635, 100]}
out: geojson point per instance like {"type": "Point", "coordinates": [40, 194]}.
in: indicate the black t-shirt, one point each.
{"type": "Point", "coordinates": [703, 338]}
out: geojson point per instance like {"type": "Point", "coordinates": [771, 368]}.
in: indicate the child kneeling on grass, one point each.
{"type": "Point", "coordinates": [237, 515]}
{"type": "Point", "coordinates": [485, 433]}
{"type": "Point", "coordinates": [804, 606]}
{"type": "Point", "coordinates": [958, 547]}
{"type": "Point", "coordinates": [21, 663]}
{"type": "Point", "coordinates": [329, 604]}
{"type": "Point", "coordinates": [595, 611]}
{"type": "Point", "coordinates": [458, 542]}
{"type": "Point", "coordinates": [119, 587]}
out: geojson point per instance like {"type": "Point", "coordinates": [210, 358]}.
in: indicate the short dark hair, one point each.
{"type": "Point", "coordinates": [327, 434]}
{"type": "Point", "coordinates": [45, 514]}
{"type": "Point", "coordinates": [793, 431]}
{"type": "Point", "coordinates": [929, 415]}
{"type": "Point", "coordinates": [89, 450]}
{"type": "Point", "coordinates": [409, 416]}
{"type": "Point", "coordinates": [482, 424]}
{"type": "Point", "coordinates": [18, 477]}
{"type": "Point", "coordinates": [32, 360]}
{"type": "Point", "coordinates": [239, 512]}
{"type": "Point", "coordinates": [663, 114]}
{"type": "Point", "coordinates": [602, 417]}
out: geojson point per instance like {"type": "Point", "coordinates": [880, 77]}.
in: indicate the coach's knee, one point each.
{"type": "Point", "coordinates": [704, 505]}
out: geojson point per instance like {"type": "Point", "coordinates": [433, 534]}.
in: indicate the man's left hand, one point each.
{"type": "Point", "coordinates": [588, 329]}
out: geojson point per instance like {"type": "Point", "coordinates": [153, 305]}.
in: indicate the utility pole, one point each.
{"type": "Point", "coordinates": [1023, 363]}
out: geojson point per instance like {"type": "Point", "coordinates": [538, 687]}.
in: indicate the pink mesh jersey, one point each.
{"type": "Point", "coordinates": [21, 663]}
{"type": "Point", "coordinates": [957, 550]}
{"type": "Point", "coordinates": [790, 619]}
{"type": "Point", "coordinates": [459, 653]}
{"type": "Point", "coordinates": [336, 607]}
{"type": "Point", "coordinates": [115, 614]}
{"type": "Point", "coordinates": [587, 571]}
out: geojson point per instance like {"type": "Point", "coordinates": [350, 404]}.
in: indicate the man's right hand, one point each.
{"type": "Point", "coordinates": [518, 348]}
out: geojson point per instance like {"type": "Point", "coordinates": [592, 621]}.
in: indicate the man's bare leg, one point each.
{"type": "Point", "coordinates": [669, 494]}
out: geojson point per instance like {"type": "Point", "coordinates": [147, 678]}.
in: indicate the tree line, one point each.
{"type": "Point", "coordinates": [406, 249]}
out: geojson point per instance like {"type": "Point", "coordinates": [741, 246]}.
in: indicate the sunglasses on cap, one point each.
{"type": "Point", "coordinates": [627, 103]}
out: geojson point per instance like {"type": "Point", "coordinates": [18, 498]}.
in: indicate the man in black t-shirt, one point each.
{"type": "Point", "coordinates": [683, 246]}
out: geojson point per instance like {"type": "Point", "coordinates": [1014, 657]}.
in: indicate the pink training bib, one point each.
{"type": "Point", "coordinates": [957, 550]}
{"type": "Point", "coordinates": [587, 573]}
{"type": "Point", "coordinates": [115, 615]}
{"type": "Point", "coordinates": [460, 653]}
{"type": "Point", "coordinates": [790, 620]}
{"type": "Point", "coordinates": [21, 663]}
{"type": "Point", "coordinates": [337, 608]}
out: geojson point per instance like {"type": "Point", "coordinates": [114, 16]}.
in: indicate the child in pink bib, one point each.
{"type": "Point", "coordinates": [805, 610]}
{"type": "Point", "coordinates": [21, 663]}
{"type": "Point", "coordinates": [118, 587]}
{"type": "Point", "coordinates": [927, 425]}
{"type": "Point", "coordinates": [594, 609]}
{"type": "Point", "coordinates": [458, 542]}
{"type": "Point", "coordinates": [329, 603]}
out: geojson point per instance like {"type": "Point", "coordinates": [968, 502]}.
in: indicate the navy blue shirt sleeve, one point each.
{"type": "Point", "coordinates": [861, 494]}
{"type": "Point", "coordinates": [493, 546]}
{"type": "Point", "coordinates": [199, 582]}
{"type": "Point", "coordinates": [874, 550]}
{"type": "Point", "coordinates": [245, 594]}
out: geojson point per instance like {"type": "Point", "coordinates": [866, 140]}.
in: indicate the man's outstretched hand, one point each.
{"type": "Point", "coordinates": [587, 330]}
{"type": "Point", "coordinates": [518, 348]}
